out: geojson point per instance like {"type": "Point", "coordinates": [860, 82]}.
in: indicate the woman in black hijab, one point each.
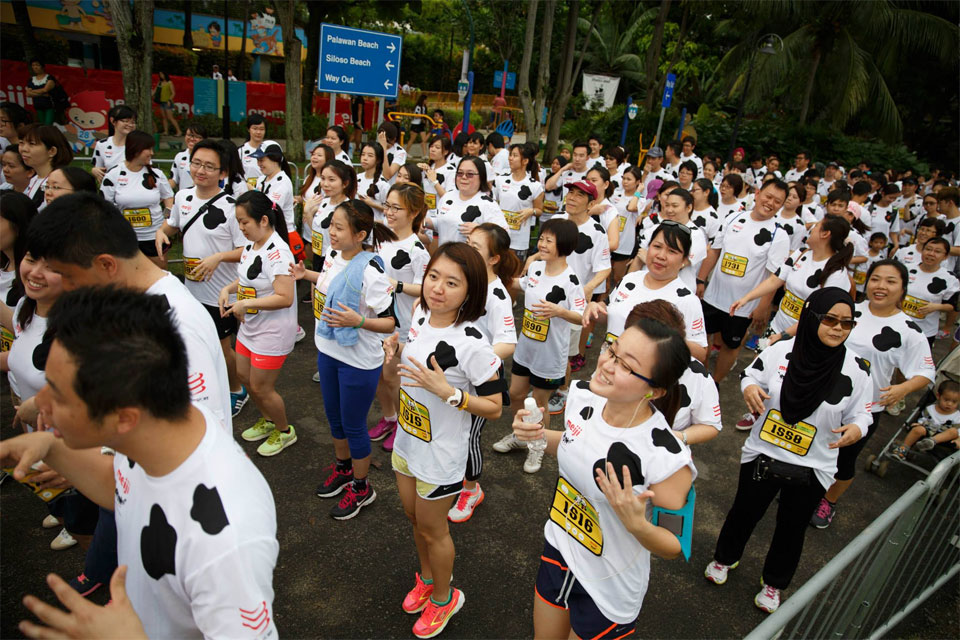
{"type": "Point", "coordinates": [813, 396]}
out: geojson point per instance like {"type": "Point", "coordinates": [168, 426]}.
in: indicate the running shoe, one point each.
{"type": "Point", "coordinates": [417, 597]}
{"type": "Point", "coordinates": [277, 442]}
{"type": "Point", "coordinates": [63, 541]}
{"type": "Point", "coordinates": [557, 403]}
{"type": "Point", "coordinates": [239, 400]}
{"type": "Point", "coordinates": [925, 444]}
{"type": "Point", "coordinates": [389, 440]}
{"type": "Point", "coordinates": [717, 573]}
{"type": "Point", "coordinates": [753, 342]}
{"type": "Point", "coordinates": [823, 516]}
{"type": "Point", "coordinates": [260, 430]}
{"type": "Point", "coordinates": [352, 501]}
{"type": "Point", "coordinates": [301, 334]}
{"type": "Point", "coordinates": [768, 599]}
{"type": "Point", "coordinates": [943, 335]}
{"type": "Point", "coordinates": [84, 585]}
{"type": "Point", "coordinates": [467, 501]}
{"type": "Point", "coordinates": [900, 453]}
{"type": "Point", "coordinates": [533, 461]}
{"type": "Point", "coordinates": [382, 429]}
{"type": "Point", "coordinates": [577, 362]}
{"type": "Point", "coordinates": [435, 617]}
{"type": "Point", "coordinates": [747, 421]}
{"type": "Point", "coordinates": [316, 377]}
{"type": "Point", "coordinates": [334, 482]}
{"type": "Point", "coordinates": [895, 409]}
{"type": "Point", "coordinates": [508, 443]}
{"type": "Point", "coordinates": [50, 522]}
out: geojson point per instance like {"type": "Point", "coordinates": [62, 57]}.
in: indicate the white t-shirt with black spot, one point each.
{"type": "Point", "coordinates": [627, 221]}
{"type": "Point", "coordinates": [727, 210]}
{"type": "Point", "coordinates": [141, 204]}
{"type": "Point", "coordinates": [698, 245]}
{"type": "Point", "coordinates": [395, 155]}
{"type": "Point", "coordinates": [707, 219]}
{"type": "Point", "coordinates": [28, 355]}
{"type": "Point", "coordinates": [279, 188]}
{"type": "Point", "coordinates": [807, 443]}
{"type": "Point", "coordinates": [251, 170]}
{"type": "Point", "coordinates": [699, 399]}
{"type": "Point", "coordinates": [609, 562]}
{"type": "Point", "coordinates": [215, 232]}
{"type": "Point", "coordinates": [801, 277]}
{"type": "Point", "coordinates": [894, 342]}
{"type": "Point", "coordinates": [447, 177]}
{"type": "Point", "coordinates": [500, 163]}
{"type": "Point", "coordinates": [497, 321]}
{"type": "Point", "coordinates": [910, 255]}
{"type": "Point", "coordinates": [795, 229]}
{"type": "Point", "coordinates": [514, 196]}
{"type": "Point", "coordinates": [884, 220]}
{"type": "Point", "coordinates": [107, 153]}
{"type": "Point", "coordinates": [266, 332]}
{"type": "Point", "coordinates": [405, 261]}
{"type": "Point", "coordinates": [453, 211]}
{"type": "Point", "coordinates": [432, 436]}
{"type": "Point", "coordinates": [952, 234]}
{"type": "Point", "coordinates": [376, 296]}
{"type": "Point", "coordinates": [344, 157]}
{"type": "Point", "coordinates": [180, 170]}
{"type": "Point", "coordinates": [200, 542]}
{"type": "Point", "coordinates": [749, 250]}
{"type": "Point", "coordinates": [633, 290]}
{"type": "Point", "coordinates": [377, 190]}
{"type": "Point", "coordinates": [858, 272]}
{"type": "Point", "coordinates": [592, 254]}
{"type": "Point", "coordinates": [543, 343]}
{"type": "Point", "coordinates": [320, 226]}
{"type": "Point", "coordinates": [933, 288]}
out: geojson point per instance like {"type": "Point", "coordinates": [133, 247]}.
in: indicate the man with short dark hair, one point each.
{"type": "Point", "coordinates": [687, 145]}
{"type": "Point", "coordinates": [573, 171]}
{"type": "Point", "coordinates": [497, 154]}
{"type": "Point", "coordinates": [800, 165]}
{"type": "Point", "coordinates": [672, 154]}
{"type": "Point", "coordinates": [653, 169]}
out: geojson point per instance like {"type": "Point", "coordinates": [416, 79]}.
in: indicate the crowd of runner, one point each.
{"type": "Point", "coordinates": [453, 290]}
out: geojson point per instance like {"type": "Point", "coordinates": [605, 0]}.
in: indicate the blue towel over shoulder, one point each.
{"type": "Point", "coordinates": [346, 289]}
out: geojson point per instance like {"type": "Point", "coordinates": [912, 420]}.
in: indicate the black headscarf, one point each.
{"type": "Point", "coordinates": [814, 367]}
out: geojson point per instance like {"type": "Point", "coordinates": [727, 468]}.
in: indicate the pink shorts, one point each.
{"type": "Point", "coordinates": [260, 362]}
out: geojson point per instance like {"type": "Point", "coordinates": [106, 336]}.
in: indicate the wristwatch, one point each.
{"type": "Point", "coordinates": [455, 399]}
{"type": "Point", "coordinates": [399, 288]}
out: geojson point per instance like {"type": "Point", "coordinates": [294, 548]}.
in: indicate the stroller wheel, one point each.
{"type": "Point", "coordinates": [882, 468]}
{"type": "Point", "coordinates": [870, 463]}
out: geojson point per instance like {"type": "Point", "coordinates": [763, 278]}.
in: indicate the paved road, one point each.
{"type": "Point", "coordinates": [347, 579]}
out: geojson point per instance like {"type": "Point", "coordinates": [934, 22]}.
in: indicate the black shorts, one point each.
{"type": "Point", "coordinates": [620, 257]}
{"type": "Point", "coordinates": [536, 381]}
{"type": "Point", "coordinates": [417, 128]}
{"type": "Point", "coordinates": [317, 262]}
{"type": "Point", "coordinates": [148, 248]}
{"type": "Point", "coordinates": [586, 619]}
{"type": "Point", "coordinates": [732, 329]}
{"type": "Point", "coordinates": [226, 327]}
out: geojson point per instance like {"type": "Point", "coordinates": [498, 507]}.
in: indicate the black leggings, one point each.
{"type": "Point", "coordinates": [847, 456]}
{"type": "Point", "coordinates": [797, 505]}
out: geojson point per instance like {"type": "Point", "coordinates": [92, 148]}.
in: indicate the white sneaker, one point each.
{"type": "Point", "coordinates": [301, 334]}
{"type": "Point", "coordinates": [62, 541]}
{"type": "Point", "coordinates": [768, 599]}
{"type": "Point", "coordinates": [717, 573]}
{"type": "Point", "coordinates": [50, 522]}
{"type": "Point", "coordinates": [467, 501]}
{"type": "Point", "coordinates": [533, 461]}
{"type": "Point", "coordinates": [557, 403]}
{"type": "Point", "coordinates": [508, 443]}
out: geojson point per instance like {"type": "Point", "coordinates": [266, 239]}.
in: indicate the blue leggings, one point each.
{"type": "Point", "coordinates": [348, 393]}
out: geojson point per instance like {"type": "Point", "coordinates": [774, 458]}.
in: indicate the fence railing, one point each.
{"type": "Point", "coordinates": [896, 563]}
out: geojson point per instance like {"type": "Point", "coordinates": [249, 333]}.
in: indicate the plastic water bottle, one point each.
{"type": "Point", "coordinates": [535, 416]}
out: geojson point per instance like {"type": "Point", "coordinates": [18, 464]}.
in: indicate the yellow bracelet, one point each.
{"type": "Point", "coordinates": [466, 401]}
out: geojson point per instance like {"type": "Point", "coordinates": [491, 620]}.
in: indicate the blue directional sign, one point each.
{"type": "Point", "coordinates": [498, 79]}
{"type": "Point", "coordinates": [668, 90]}
{"type": "Point", "coordinates": [360, 62]}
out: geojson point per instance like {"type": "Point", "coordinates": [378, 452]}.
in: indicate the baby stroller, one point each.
{"type": "Point", "coordinates": [947, 369]}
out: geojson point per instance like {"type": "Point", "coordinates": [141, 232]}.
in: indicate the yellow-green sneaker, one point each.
{"type": "Point", "coordinates": [258, 431]}
{"type": "Point", "coordinates": [277, 442]}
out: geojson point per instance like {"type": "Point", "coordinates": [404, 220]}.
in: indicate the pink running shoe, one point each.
{"type": "Point", "coordinates": [417, 598]}
{"type": "Point", "coordinates": [388, 443]}
{"type": "Point", "coordinates": [381, 430]}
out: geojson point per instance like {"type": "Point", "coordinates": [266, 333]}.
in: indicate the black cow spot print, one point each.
{"type": "Point", "coordinates": [814, 280]}
{"type": "Point", "coordinates": [664, 438]}
{"type": "Point", "coordinates": [449, 202]}
{"type": "Point", "coordinates": [524, 193]}
{"type": "Point", "coordinates": [937, 285]}
{"type": "Point", "coordinates": [684, 396]}
{"type": "Point", "coordinates": [123, 173]}
{"type": "Point", "coordinates": [913, 325]}
{"type": "Point", "coordinates": [445, 354]}
{"type": "Point", "coordinates": [599, 227]}
{"type": "Point", "coordinates": [857, 314]}
{"type": "Point", "coordinates": [158, 545]}
{"type": "Point", "coordinates": [574, 279]}
{"type": "Point", "coordinates": [145, 182]}
{"type": "Point", "coordinates": [40, 353]}
{"type": "Point", "coordinates": [757, 364]}
{"type": "Point", "coordinates": [537, 273]}
{"type": "Point", "coordinates": [788, 262]}
{"type": "Point", "coordinates": [741, 220]}
{"type": "Point", "coordinates": [500, 293]}
{"type": "Point", "coordinates": [333, 254]}
{"type": "Point", "coordinates": [682, 292]}
{"type": "Point", "coordinates": [582, 384]}
{"type": "Point", "coordinates": [107, 182]}
{"type": "Point", "coordinates": [400, 259]}
{"type": "Point", "coordinates": [620, 456]}
{"type": "Point", "coordinates": [556, 295]}
{"type": "Point", "coordinates": [214, 217]}
{"type": "Point", "coordinates": [473, 332]}
{"type": "Point", "coordinates": [325, 223]}
{"type": "Point", "coordinates": [700, 221]}
{"type": "Point", "coordinates": [440, 178]}
{"type": "Point", "coordinates": [789, 229]}
{"type": "Point", "coordinates": [887, 339]}
{"type": "Point", "coordinates": [255, 268]}
{"type": "Point", "coordinates": [189, 198]}
{"type": "Point", "coordinates": [507, 181]}
{"type": "Point", "coordinates": [697, 367]}
{"type": "Point", "coordinates": [488, 198]}
{"type": "Point", "coordinates": [840, 390]}
{"type": "Point", "coordinates": [419, 245]}
{"type": "Point", "coordinates": [629, 286]}
{"type": "Point", "coordinates": [863, 364]}
{"type": "Point", "coordinates": [131, 462]}
{"type": "Point", "coordinates": [376, 265]}
{"type": "Point", "coordinates": [420, 321]}
{"type": "Point", "coordinates": [763, 237]}
{"type": "Point", "coordinates": [389, 158]}
{"type": "Point", "coordinates": [208, 510]}
{"type": "Point", "coordinates": [472, 213]}
{"type": "Point", "coordinates": [586, 413]}
{"type": "Point", "coordinates": [270, 246]}
{"type": "Point", "coordinates": [584, 243]}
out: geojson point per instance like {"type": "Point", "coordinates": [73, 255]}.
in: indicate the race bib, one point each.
{"type": "Point", "coordinates": [733, 265]}
{"type": "Point", "coordinates": [550, 206]}
{"type": "Point", "coordinates": [252, 183]}
{"type": "Point", "coordinates": [577, 517]}
{"type": "Point", "coordinates": [189, 264]}
{"type": "Point", "coordinates": [911, 305]}
{"type": "Point", "coordinates": [6, 339]}
{"type": "Point", "coordinates": [623, 222]}
{"type": "Point", "coordinates": [414, 418]}
{"type": "Point", "coordinates": [513, 219]}
{"type": "Point", "coordinates": [316, 239]}
{"type": "Point", "coordinates": [795, 438]}
{"type": "Point", "coordinates": [138, 217]}
{"type": "Point", "coordinates": [859, 277]}
{"type": "Point", "coordinates": [431, 200]}
{"type": "Point", "coordinates": [533, 327]}
{"type": "Point", "coordinates": [247, 293]}
{"type": "Point", "coordinates": [791, 304]}
{"type": "Point", "coordinates": [319, 301]}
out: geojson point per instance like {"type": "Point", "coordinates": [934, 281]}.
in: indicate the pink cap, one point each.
{"type": "Point", "coordinates": [855, 209]}
{"type": "Point", "coordinates": [586, 187]}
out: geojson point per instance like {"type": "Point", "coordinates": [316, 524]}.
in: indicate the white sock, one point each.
{"type": "Point", "coordinates": [392, 418]}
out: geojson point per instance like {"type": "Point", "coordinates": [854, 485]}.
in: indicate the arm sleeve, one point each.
{"type": "Point", "coordinates": [764, 366]}
{"type": "Point", "coordinates": [915, 358]}
{"type": "Point", "coordinates": [779, 251]}
{"type": "Point", "coordinates": [693, 319]}
{"type": "Point", "coordinates": [601, 253]}
{"type": "Point", "coordinates": [377, 290]}
{"type": "Point", "coordinates": [166, 191]}
{"type": "Point", "coordinates": [504, 329]}
{"type": "Point", "coordinates": [857, 409]}
{"type": "Point", "coordinates": [108, 188]}
{"type": "Point", "coordinates": [174, 219]}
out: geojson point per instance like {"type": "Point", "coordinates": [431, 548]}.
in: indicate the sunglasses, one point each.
{"type": "Point", "coordinates": [831, 320]}
{"type": "Point", "coordinates": [674, 223]}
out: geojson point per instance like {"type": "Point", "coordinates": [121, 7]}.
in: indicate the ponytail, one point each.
{"type": "Point", "coordinates": [414, 200]}
{"type": "Point", "coordinates": [525, 151]}
{"type": "Point", "coordinates": [360, 218]}
{"type": "Point", "coordinates": [839, 229]}
{"type": "Point", "coordinates": [498, 244]}
{"type": "Point", "coordinates": [257, 205]}
{"type": "Point", "coordinates": [713, 198]}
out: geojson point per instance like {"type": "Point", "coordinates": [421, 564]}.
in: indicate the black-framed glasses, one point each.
{"type": "Point", "coordinates": [674, 223]}
{"type": "Point", "coordinates": [206, 166]}
{"type": "Point", "coordinates": [607, 348]}
{"type": "Point", "coordinates": [831, 320]}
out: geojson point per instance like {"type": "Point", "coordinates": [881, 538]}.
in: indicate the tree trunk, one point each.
{"type": "Point", "coordinates": [313, 58]}
{"type": "Point", "coordinates": [291, 67]}
{"type": "Point", "coordinates": [543, 69]}
{"type": "Point", "coordinates": [564, 92]}
{"type": "Point", "coordinates": [242, 63]}
{"type": "Point", "coordinates": [684, 24]}
{"type": "Point", "coordinates": [808, 91]}
{"type": "Point", "coordinates": [188, 25]}
{"type": "Point", "coordinates": [134, 28]}
{"type": "Point", "coordinates": [653, 56]}
{"type": "Point", "coordinates": [523, 89]}
{"type": "Point", "coordinates": [22, 16]}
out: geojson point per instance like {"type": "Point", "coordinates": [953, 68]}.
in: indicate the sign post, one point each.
{"type": "Point", "coordinates": [358, 62]}
{"type": "Point", "coordinates": [667, 99]}
{"type": "Point", "coordinates": [630, 113]}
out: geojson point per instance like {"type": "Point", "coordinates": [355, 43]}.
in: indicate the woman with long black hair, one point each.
{"type": "Point", "coordinates": [109, 152]}
{"type": "Point", "coordinates": [256, 139]}
{"type": "Point", "coordinates": [339, 142]}
{"type": "Point", "coordinates": [813, 396]}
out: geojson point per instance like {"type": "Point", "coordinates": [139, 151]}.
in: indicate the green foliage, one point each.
{"type": "Point", "coordinates": [51, 48]}
{"type": "Point", "coordinates": [175, 61]}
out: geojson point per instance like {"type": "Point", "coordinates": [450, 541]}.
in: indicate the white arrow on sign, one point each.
{"type": "Point", "coordinates": [392, 47]}
{"type": "Point", "coordinates": [387, 84]}
{"type": "Point", "coordinates": [390, 65]}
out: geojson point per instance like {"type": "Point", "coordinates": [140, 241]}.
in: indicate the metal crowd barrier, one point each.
{"type": "Point", "coordinates": [896, 563]}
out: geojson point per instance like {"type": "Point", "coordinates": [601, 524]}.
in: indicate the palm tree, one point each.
{"type": "Point", "coordinates": [836, 56]}
{"type": "Point", "coordinates": [613, 43]}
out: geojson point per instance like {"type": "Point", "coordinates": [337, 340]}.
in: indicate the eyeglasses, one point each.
{"type": "Point", "coordinates": [53, 187]}
{"type": "Point", "coordinates": [607, 348]}
{"type": "Point", "coordinates": [830, 320]}
{"type": "Point", "coordinates": [467, 174]}
{"type": "Point", "coordinates": [392, 208]}
{"type": "Point", "coordinates": [205, 166]}
{"type": "Point", "coordinates": [674, 223]}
